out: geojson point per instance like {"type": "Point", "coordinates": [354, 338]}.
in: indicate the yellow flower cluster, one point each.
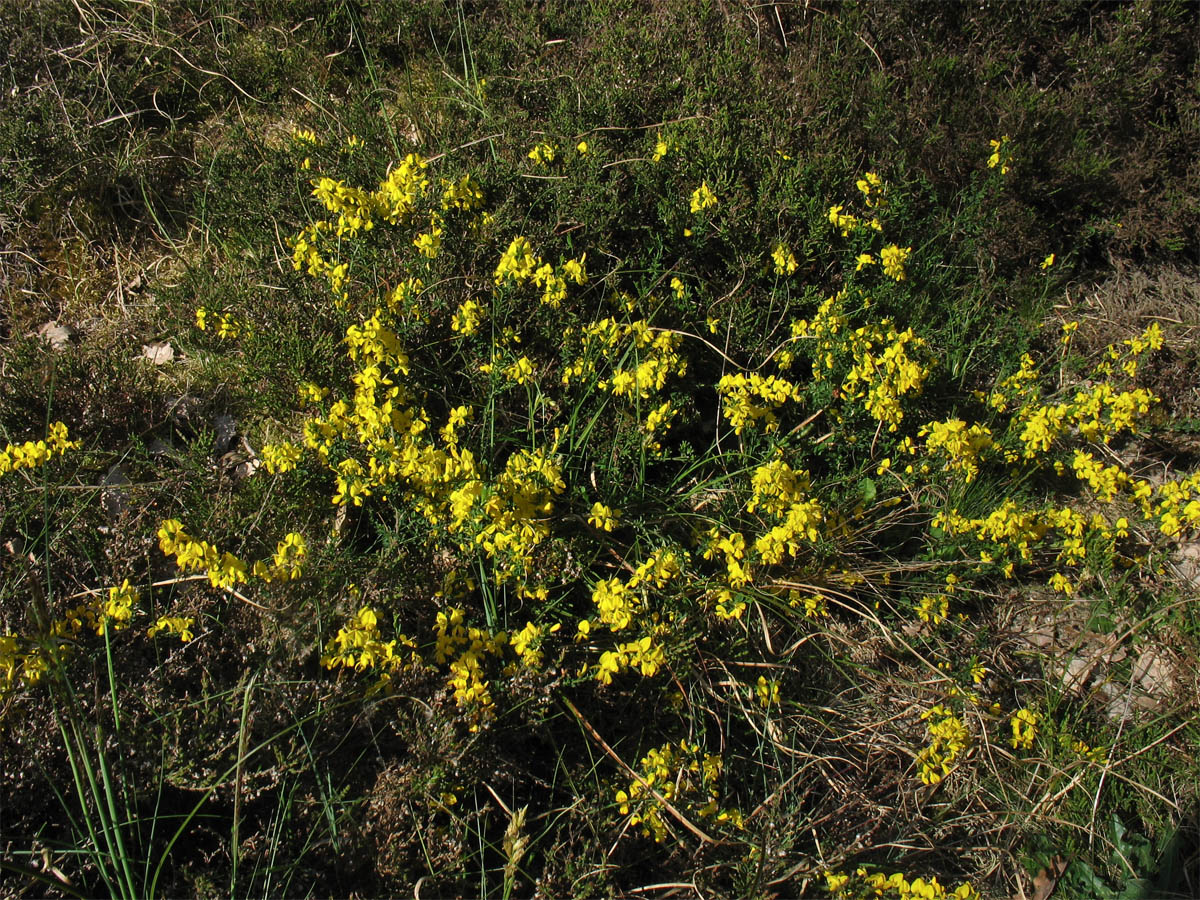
{"type": "Point", "coordinates": [466, 318]}
{"type": "Point", "coordinates": [180, 626]}
{"type": "Point", "coordinates": [118, 608]}
{"type": "Point", "coordinates": [881, 379]}
{"type": "Point", "coordinates": [747, 399]}
{"type": "Point", "coordinates": [26, 661]}
{"type": "Point", "coordinates": [31, 454]}
{"type": "Point", "coordinates": [224, 570]}
{"type": "Point", "coordinates": [1001, 154]}
{"type": "Point", "coordinates": [703, 198]}
{"type": "Point", "coordinates": [542, 154]}
{"type": "Point", "coordinates": [1105, 481]}
{"type": "Point", "coordinates": [782, 492]}
{"type": "Point", "coordinates": [733, 548]}
{"type": "Point", "coordinates": [767, 692]}
{"type": "Point", "coordinates": [683, 777]}
{"type": "Point", "coordinates": [893, 259]}
{"type": "Point", "coordinates": [620, 604]}
{"type": "Point", "coordinates": [226, 326]}
{"type": "Point", "coordinates": [784, 259]}
{"type": "Point", "coordinates": [114, 611]}
{"type": "Point", "coordinates": [881, 371]}
{"type": "Point", "coordinates": [1127, 359]}
{"type": "Point", "coordinates": [639, 361]}
{"type": "Point", "coordinates": [1014, 527]}
{"type": "Point", "coordinates": [958, 445]}
{"type": "Point", "coordinates": [465, 194]}
{"type": "Point", "coordinates": [465, 648]}
{"type": "Point", "coordinates": [1099, 415]}
{"type": "Point", "coordinates": [359, 645]}
{"type": "Point", "coordinates": [315, 248]}
{"type": "Point", "coordinates": [896, 886]}
{"type": "Point", "coordinates": [19, 663]}
{"type": "Point", "coordinates": [1024, 724]}
{"type": "Point", "coordinates": [873, 189]}
{"type": "Point", "coordinates": [933, 608]}
{"type": "Point", "coordinates": [281, 457]}
{"type": "Point", "coordinates": [657, 424]}
{"type": "Point", "coordinates": [1020, 388]}
{"type": "Point", "coordinates": [663, 146]}
{"type": "Point", "coordinates": [429, 243]}
{"type": "Point", "coordinates": [402, 191]}
{"type": "Point", "coordinates": [519, 264]}
{"type": "Point", "coordinates": [615, 604]}
{"type": "Point", "coordinates": [642, 654]}
{"type": "Point", "coordinates": [948, 740]}
{"type": "Point", "coordinates": [513, 518]}
{"type": "Point", "coordinates": [603, 517]}
{"type": "Point", "coordinates": [527, 644]}
{"type": "Point", "coordinates": [1175, 503]}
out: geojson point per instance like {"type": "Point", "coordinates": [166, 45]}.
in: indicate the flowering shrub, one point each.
{"type": "Point", "coordinates": [559, 485]}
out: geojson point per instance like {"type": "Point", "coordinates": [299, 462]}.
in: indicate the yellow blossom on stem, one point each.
{"type": "Point", "coordinates": [703, 198]}
{"type": "Point", "coordinates": [785, 261]}
{"type": "Point", "coordinates": [603, 517]}
{"type": "Point", "coordinates": [893, 259]}
{"type": "Point", "coordinates": [1024, 724]}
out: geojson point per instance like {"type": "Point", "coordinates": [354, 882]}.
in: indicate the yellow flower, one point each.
{"type": "Point", "coordinates": [177, 625]}
{"type": "Point", "coordinates": [603, 517]}
{"type": "Point", "coordinates": [575, 270]}
{"type": "Point", "coordinates": [1001, 153]}
{"type": "Point", "coordinates": [520, 371]}
{"type": "Point", "coordinates": [1024, 728]}
{"type": "Point", "coordinates": [1061, 583]}
{"type": "Point", "coordinates": [661, 149]}
{"type": "Point", "coordinates": [466, 319]}
{"type": "Point", "coordinates": [785, 262]}
{"type": "Point", "coordinates": [703, 198]}
{"type": "Point", "coordinates": [1048, 261]}
{"type": "Point", "coordinates": [893, 260]}
{"type": "Point", "coordinates": [582, 148]}
{"type": "Point", "coordinates": [118, 610]}
{"type": "Point", "coordinates": [542, 154]}
{"type": "Point", "coordinates": [767, 691]}
{"type": "Point", "coordinates": [870, 185]}
{"type": "Point", "coordinates": [844, 222]}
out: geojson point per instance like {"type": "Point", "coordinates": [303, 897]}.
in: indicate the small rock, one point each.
{"type": "Point", "coordinates": [1041, 637]}
{"type": "Point", "coordinates": [57, 336]}
{"type": "Point", "coordinates": [184, 412]}
{"type": "Point", "coordinates": [225, 434]}
{"type": "Point", "coordinates": [1152, 673]}
{"type": "Point", "coordinates": [114, 496]}
{"type": "Point", "coordinates": [1079, 673]}
{"type": "Point", "coordinates": [241, 463]}
{"type": "Point", "coordinates": [158, 352]}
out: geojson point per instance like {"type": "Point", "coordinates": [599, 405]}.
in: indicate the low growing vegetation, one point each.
{"type": "Point", "coordinates": [599, 450]}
